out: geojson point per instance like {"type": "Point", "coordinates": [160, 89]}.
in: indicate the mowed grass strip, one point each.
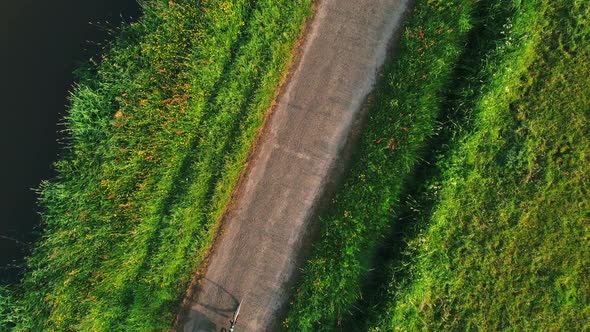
{"type": "Point", "coordinates": [506, 247]}
{"type": "Point", "coordinates": [158, 135]}
{"type": "Point", "coordinates": [402, 118]}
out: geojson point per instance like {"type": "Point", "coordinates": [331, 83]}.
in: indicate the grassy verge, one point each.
{"type": "Point", "coordinates": [158, 134]}
{"type": "Point", "coordinates": [484, 48]}
{"type": "Point", "coordinates": [506, 245]}
{"type": "Point", "coordinates": [402, 119]}
{"type": "Point", "coordinates": [488, 217]}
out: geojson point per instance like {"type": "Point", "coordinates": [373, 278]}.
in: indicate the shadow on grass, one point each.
{"type": "Point", "coordinates": [387, 263]}
{"type": "Point", "coordinates": [185, 177]}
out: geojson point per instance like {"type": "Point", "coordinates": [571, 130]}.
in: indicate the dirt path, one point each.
{"type": "Point", "coordinates": [256, 257]}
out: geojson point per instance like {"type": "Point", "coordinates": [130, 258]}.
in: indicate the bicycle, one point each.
{"type": "Point", "coordinates": [232, 323]}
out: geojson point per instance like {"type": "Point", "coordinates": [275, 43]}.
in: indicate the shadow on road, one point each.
{"type": "Point", "coordinates": [198, 322]}
{"type": "Point", "coordinates": [198, 316]}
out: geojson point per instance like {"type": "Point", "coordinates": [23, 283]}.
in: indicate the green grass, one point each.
{"type": "Point", "coordinates": [506, 245]}
{"type": "Point", "coordinates": [158, 135]}
{"type": "Point", "coordinates": [482, 216]}
{"type": "Point", "coordinates": [8, 314]}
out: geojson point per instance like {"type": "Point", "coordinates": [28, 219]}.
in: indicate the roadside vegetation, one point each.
{"type": "Point", "coordinates": [158, 133]}
{"type": "Point", "coordinates": [402, 118]}
{"type": "Point", "coordinates": [487, 228]}
{"type": "Point", "coordinates": [506, 245]}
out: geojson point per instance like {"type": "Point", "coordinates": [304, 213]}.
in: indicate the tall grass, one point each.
{"type": "Point", "coordinates": [8, 314]}
{"type": "Point", "coordinates": [402, 119]}
{"type": "Point", "coordinates": [505, 247]}
{"type": "Point", "coordinates": [158, 134]}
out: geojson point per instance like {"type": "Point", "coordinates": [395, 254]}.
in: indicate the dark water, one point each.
{"type": "Point", "coordinates": [41, 43]}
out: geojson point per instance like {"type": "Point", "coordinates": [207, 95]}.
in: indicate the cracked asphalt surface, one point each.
{"type": "Point", "coordinates": [258, 253]}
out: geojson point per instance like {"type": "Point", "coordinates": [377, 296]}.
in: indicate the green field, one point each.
{"type": "Point", "coordinates": [158, 134]}
{"type": "Point", "coordinates": [478, 219]}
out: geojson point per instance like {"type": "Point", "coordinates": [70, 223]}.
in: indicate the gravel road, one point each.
{"type": "Point", "coordinates": [257, 256]}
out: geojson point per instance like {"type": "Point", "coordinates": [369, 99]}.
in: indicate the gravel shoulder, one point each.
{"type": "Point", "coordinates": [265, 230]}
